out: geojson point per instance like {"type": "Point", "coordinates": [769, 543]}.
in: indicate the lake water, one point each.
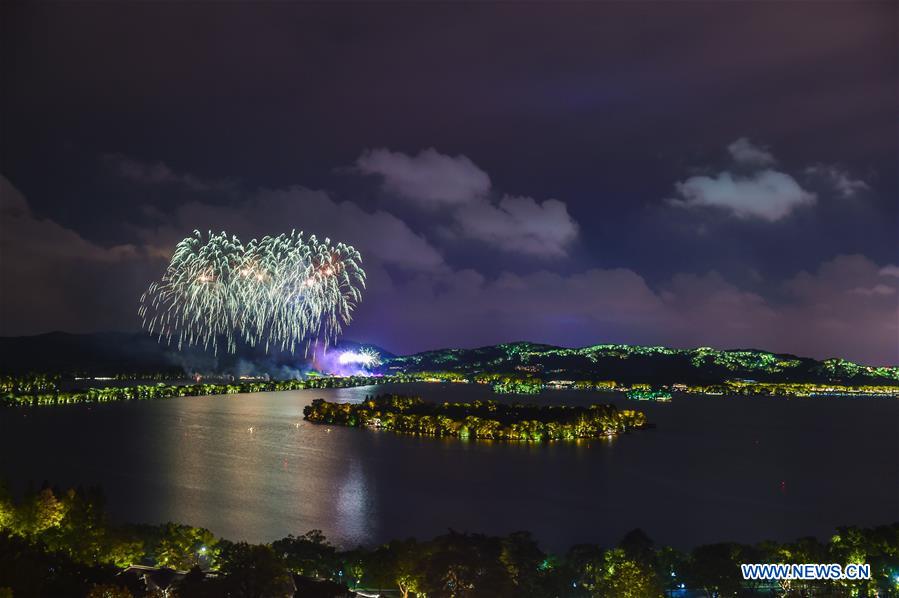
{"type": "Point", "coordinates": [714, 469]}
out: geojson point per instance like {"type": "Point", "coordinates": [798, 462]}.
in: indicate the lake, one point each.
{"type": "Point", "coordinates": [249, 468]}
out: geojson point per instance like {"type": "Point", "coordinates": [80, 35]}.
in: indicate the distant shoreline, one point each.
{"type": "Point", "coordinates": [32, 391]}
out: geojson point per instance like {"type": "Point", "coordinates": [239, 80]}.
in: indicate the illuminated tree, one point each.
{"type": "Point", "coordinates": [524, 561]}
{"type": "Point", "coordinates": [621, 577]}
{"type": "Point", "coordinates": [7, 509]}
{"type": "Point", "coordinates": [44, 512]}
{"type": "Point", "coordinates": [182, 546]}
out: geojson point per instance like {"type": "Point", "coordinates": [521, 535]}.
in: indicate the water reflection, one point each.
{"type": "Point", "coordinates": [353, 504]}
{"type": "Point", "coordinates": [764, 470]}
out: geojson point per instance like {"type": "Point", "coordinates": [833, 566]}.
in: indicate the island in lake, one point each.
{"type": "Point", "coordinates": [480, 419]}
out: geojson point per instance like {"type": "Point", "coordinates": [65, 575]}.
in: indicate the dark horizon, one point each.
{"type": "Point", "coordinates": [679, 175]}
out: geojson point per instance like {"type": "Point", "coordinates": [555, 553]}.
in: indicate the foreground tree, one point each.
{"type": "Point", "coordinates": [715, 568]}
{"type": "Point", "coordinates": [183, 546]}
{"type": "Point", "coordinates": [310, 555]}
{"type": "Point", "coordinates": [254, 571]}
{"type": "Point", "coordinates": [524, 562]}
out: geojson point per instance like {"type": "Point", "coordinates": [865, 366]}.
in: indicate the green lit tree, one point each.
{"type": "Point", "coordinates": [182, 546]}
{"type": "Point", "coordinates": [621, 577]}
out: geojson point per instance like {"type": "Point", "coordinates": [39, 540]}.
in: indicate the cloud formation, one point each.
{"type": "Point", "coordinates": [22, 233]}
{"type": "Point", "coordinates": [767, 195]}
{"type": "Point", "coordinates": [76, 285]}
{"type": "Point", "coordinates": [762, 193]}
{"type": "Point", "coordinates": [513, 224]}
{"type": "Point", "coordinates": [847, 307]}
{"type": "Point", "coordinates": [520, 224]}
{"type": "Point", "coordinates": [429, 179]}
{"type": "Point", "coordinates": [839, 178]}
{"type": "Point", "coordinates": [744, 151]}
{"type": "Point", "coordinates": [159, 173]}
{"type": "Point", "coordinates": [53, 278]}
{"type": "Point", "coordinates": [378, 235]}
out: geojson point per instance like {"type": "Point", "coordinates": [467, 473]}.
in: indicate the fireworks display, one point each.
{"type": "Point", "coordinates": [364, 357]}
{"type": "Point", "coordinates": [278, 293]}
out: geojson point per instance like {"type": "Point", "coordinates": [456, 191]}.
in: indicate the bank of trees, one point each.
{"type": "Point", "coordinates": [13, 394]}
{"type": "Point", "coordinates": [39, 390]}
{"type": "Point", "coordinates": [491, 420]}
{"type": "Point", "coordinates": [58, 543]}
{"type": "Point", "coordinates": [28, 384]}
{"type": "Point", "coordinates": [793, 389]}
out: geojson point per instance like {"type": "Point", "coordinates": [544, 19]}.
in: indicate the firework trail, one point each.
{"type": "Point", "coordinates": [279, 292]}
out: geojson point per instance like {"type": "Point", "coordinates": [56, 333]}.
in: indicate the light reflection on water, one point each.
{"type": "Point", "coordinates": [714, 469]}
{"type": "Point", "coordinates": [353, 508]}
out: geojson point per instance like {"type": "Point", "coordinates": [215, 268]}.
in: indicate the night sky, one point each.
{"type": "Point", "coordinates": [680, 173]}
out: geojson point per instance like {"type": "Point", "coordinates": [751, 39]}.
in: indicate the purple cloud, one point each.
{"type": "Point", "coordinates": [513, 224]}
{"type": "Point", "coordinates": [520, 224]}
{"type": "Point", "coordinates": [429, 179]}
{"type": "Point", "coordinates": [379, 235]}
{"type": "Point", "coordinates": [159, 173]}
{"type": "Point", "coordinates": [56, 279]}
{"type": "Point", "coordinates": [745, 152]}
{"type": "Point", "coordinates": [839, 178]}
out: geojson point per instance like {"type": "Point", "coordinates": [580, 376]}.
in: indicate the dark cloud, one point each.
{"type": "Point", "coordinates": [520, 224]}
{"type": "Point", "coordinates": [744, 151]}
{"type": "Point", "coordinates": [379, 234]}
{"type": "Point", "coordinates": [430, 179]}
{"type": "Point", "coordinates": [159, 173]}
{"type": "Point", "coordinates": [55, 279]}
{"type": "Point", "coordinates": [839, 179]}
{"type": "Point", "coordinates": [513, 224]}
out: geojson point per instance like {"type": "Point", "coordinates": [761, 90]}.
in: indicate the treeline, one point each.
{"type": "Point", "coordinates": [29, 384]}
{"type": "Point", "coordinates": [527, 385]}
{"type": "Point", "coordinates": [59, 543]}
{"type": "Point", "coordinates": [38, 390]}
{"type": "Point", "coordinates": [479, 419]}
{"type": "Point", "coordinates": [23, 394]}
{"type": "Point", "coordinates": [532, 384]}
{"type": "Point", "coordinates": [793, 389]}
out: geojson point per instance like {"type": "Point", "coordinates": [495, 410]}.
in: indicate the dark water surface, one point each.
{"type": "Point", "coordinates": [715, 468]}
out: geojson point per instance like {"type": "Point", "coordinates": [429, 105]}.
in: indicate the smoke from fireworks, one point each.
{"type": "Point", "coordinates": [280, 292]}
{"type": "Point", "coordinates": [362, 361]}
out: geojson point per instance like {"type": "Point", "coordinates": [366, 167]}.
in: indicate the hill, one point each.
{"type": "Point", "coordinates": [630, 363]}
{"type": "Point", "coordinates": [113, 353]}
{"type": "Point", "coordinates": [134, 353]}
